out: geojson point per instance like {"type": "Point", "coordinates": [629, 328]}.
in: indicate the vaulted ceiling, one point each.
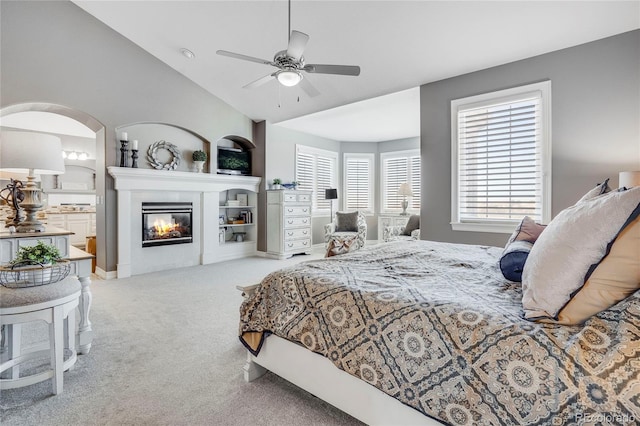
{"type": "Point", "coordinates": [399, 45]}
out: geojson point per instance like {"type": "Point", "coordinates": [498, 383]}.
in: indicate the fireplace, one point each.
{"type": "Point", "coordinates": [166, 223]}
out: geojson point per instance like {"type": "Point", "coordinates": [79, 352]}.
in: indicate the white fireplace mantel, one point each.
{"type": "Point", "coordinates": [167, 184]}
{"type": "Point", "coordinates": [130, 179]}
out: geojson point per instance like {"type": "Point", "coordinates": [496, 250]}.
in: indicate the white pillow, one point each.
{"type": "Point", "coordinates": [570, 248]}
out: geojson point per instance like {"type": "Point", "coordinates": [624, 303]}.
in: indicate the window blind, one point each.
{"type": "Point", "coordinates": [358, 182]}
{"type": "Point", "coordinates": [399, 168]}
{"type": "Point", "coordinates": [316, 171]}
{"type": "Point", "coordinates": [500, 170]}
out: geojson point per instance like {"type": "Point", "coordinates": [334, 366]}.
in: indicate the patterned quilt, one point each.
{"type": "Point", "coordinates": [436, 326]}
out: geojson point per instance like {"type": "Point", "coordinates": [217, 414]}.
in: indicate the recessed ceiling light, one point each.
{"type": "Point", "coordinates": [187, 53]}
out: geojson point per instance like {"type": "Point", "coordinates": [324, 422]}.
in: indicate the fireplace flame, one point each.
{"type": "Point", "coordinates": [164, 228]}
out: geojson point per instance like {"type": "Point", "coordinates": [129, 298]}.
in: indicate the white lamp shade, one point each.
{"type": "Point", "coordinates": [405, 190]}
{"type": "Point", "coordinates": [629, 179]}
{"type": "Point", "coordinates": [22, 151]}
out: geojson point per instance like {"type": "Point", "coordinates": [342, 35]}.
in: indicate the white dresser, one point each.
{"type": "Point", "coordinates": [288, 223]}
{"type": "Point", "coordinates": [385, 220]}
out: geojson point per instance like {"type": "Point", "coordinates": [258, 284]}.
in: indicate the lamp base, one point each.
{"type": "Point", "coordinates": [405, 204]}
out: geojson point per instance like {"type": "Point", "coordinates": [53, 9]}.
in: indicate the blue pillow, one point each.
{"type": "Point", "coordinates": [513, 259]}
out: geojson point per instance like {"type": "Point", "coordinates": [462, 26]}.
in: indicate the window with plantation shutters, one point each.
{"type": "Point", "coordinates": [316, 170]}
{"type": "Point", "coordinates": [358, 182]}
{"type": "Point", "coordinates": [501, 159]}
{"type": "Point", "coordinates": [397, 168]}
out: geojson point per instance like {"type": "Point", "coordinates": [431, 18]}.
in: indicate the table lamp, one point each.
{"type": "Point", "coordinates": [36, 154]}
{"type": "Point", "coordinates": [405, 191]}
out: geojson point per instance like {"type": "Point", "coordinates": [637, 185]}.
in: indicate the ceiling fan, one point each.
{"type": "Point", "coordinates": [291, 63]}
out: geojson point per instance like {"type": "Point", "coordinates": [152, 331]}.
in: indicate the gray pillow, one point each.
{"type": "Point", "coordinates": [412, 225]}
{"type": "Point", "coordinates": [347, 222]}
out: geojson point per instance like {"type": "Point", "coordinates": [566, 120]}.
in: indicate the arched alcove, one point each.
{"type": "Point", "coordinates": [243, 143]}
{"type": "Point", "coordinates": [147, 133]}
{"type": "Point", "coordinates": [100, 139]}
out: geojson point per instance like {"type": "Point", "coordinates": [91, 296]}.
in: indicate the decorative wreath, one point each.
{"type": "Point", "coordinates": [152, 156]}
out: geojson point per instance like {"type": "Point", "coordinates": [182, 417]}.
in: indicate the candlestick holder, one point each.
{"type": "Point", "coordinates": [134, 158]}
{"type": "Point", "coordinates": [124, 150]}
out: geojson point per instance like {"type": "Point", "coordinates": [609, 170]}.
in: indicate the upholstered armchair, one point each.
{"type": "Point", "coordinates": [395, 233]}
{"type": "Point", "coordinates": [410, 231]}
{"type": "Point", "coordinates": [348, 232]}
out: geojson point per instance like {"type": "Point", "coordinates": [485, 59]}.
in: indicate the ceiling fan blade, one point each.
{"type": "Point", "coordinates": [297, 43]}
{"type": "Point", "coordinates": [332, 69]}
{"type": "Point", "coordinates": [259, 82]}
{"type": "Point", "coordinates": [244, 57]}
{"type": "Point", "coordinates": [308, 88]}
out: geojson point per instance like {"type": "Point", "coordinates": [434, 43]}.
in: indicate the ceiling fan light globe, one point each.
{"type": "Point", "coordinates": [289, 78]}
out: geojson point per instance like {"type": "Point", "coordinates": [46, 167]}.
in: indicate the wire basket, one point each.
{"type": "Point", "coordinates": [25, 275]}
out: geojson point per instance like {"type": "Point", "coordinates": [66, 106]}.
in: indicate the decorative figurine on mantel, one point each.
{"type": "Point", "coordinates": [124, 149]}
{"type": "Point", "coordinates": [199, 158]}
{"type": "Point", "coordinates": [134, 154]}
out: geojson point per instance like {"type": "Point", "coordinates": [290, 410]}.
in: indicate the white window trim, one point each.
{"type": "Point", "coordinates": [309, 150]}
{"type": "Point", "coordinates": [506, 227]}
{"type": "Point", "coordinates": [387, 155]}
{"type": "Point", "coordinates": [372, 165]}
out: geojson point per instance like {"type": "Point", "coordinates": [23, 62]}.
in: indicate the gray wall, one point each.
{"type": "Point", "coordinates": [595, 124]}
{"type": "Point", "coordinates": [280, 162]}
{"type": "Point", "coordinates": [54, 52]}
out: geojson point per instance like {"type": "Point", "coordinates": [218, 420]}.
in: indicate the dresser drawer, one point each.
{"type": "Point", "coordinates": [297, 244]}
{"type": "Point", "coordinates": [297, 198]}
{"type": "Point", "coordinates": [295, 234]}
{"type": "Point", "coordinates": [296, 221]}
{"type": "Point", "coordinates": [297, 211]}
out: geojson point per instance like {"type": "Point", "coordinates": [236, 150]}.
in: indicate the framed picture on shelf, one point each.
{"type": "Point", "coordinates": [221, 220]}
{"type": "Point", "coordinates": [242, 199]}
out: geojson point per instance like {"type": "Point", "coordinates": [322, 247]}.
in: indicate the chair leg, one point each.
{"type": "Point", "coordinates": [57, 348]}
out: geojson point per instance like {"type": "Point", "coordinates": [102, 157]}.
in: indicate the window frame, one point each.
{"type": "Point", "coordinates": [408, 154]}
{"type": "Point", "coordinates": [333, 179]}
{"type": "Point", "coordinates": [370, 157]}
{"type": "Point", "coordinates": [496, 98]}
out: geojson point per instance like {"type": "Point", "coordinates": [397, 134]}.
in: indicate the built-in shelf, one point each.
{"type": "Point", "coordinates": [237, 207]}
{"type": "Point", "coordinates": [232, 225]}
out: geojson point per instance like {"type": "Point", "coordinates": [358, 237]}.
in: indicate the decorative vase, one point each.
{"type": "Point", "coordinates": [199, 166]}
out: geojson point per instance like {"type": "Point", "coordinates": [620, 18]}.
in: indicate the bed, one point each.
{"type": "Point", "coordinates": [427, 332]}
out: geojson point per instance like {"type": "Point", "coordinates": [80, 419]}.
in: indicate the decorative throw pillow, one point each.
{"type": "Point", "coordinates": [347, 222]}
{"type": "Point", "coordinates": [518, 247]}
{"type": "Point", "coordinates": [412, 224]}
{"type": "Point", "coordinates": [600, 189]}
{"type": "Point", "coordinates": [513, 259]}
{"type": "Point", "coordinates": [528, 230]}
{"type": "Point", "coordinates": [615, 278]}
{"type": "Point", "coordinates": [573, 244]}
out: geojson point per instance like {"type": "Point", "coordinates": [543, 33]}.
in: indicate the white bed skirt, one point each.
{"type": "Point", "coordinates": [317, 375]}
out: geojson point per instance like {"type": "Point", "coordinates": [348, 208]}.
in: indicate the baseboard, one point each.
{"type": "Point", "coordinates": [102, 274]}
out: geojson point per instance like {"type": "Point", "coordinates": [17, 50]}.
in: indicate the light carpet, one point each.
{"type": "Point", "coordinates": [166, 352]}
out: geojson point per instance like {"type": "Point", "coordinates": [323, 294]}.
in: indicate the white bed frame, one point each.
{"type": "Point", "coordinates": [320, 377]}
